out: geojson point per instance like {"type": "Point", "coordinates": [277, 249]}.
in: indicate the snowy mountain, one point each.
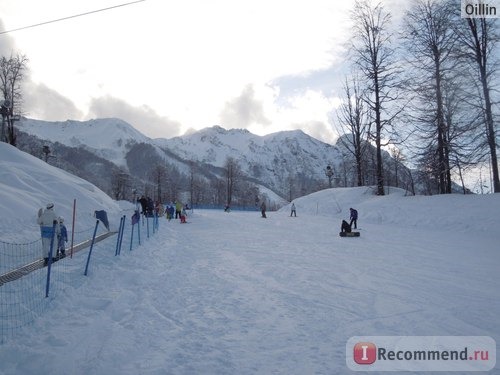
{"type": "Point", "coordinates": [277, 161]}
{"type": "Point", "coordinates": [272, 160]}
{"type": "Point", "coordinates": [110, 139]}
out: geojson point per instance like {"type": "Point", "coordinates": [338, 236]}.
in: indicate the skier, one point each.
{"type": "Point", "coordinates": [345, 227]}
{"type": "Point", "coordinates": [293, 212]}
{"type": "Point", "coordinates": [354, 218]}
{"type": "Point", "coordinates": [62, 238]}
{"type": "Point", "coordinates": [46, 219]}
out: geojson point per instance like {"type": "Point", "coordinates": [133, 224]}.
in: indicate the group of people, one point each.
{"type": "Point", "coordinates": [171, 210]}
{"type": "Point", "coordinates": [345, 226]}
{"type": "Point", "coordinates": [53, 231]}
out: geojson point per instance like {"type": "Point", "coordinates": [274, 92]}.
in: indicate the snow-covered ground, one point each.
{"type": "Point", "coordinates": [232, 293]}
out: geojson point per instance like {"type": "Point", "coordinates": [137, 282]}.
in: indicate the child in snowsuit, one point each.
{"type": "Point", "coordinates": [62, 238]}
{"type": "Point", "coordinates": [345, 227]}
{"type": "Point", "coordinates": [183, 216]}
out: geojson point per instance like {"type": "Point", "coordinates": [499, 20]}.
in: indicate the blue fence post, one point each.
{"type": "Point", "coordinates": [132, 237]}
{"type": "Point", "coordinates": [139, 233]}
{"type": "Point", "coordinates": [118, 236]}
{"type": "Point", "coordinates": [91, 247]}
{"type": "Point", "coordinates": [147, 225]}
{"type": "Point", "coordinates": [49, 262]}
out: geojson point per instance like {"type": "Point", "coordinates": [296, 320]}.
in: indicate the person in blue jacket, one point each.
{"type": "Point", "coordinates": [354, 218]}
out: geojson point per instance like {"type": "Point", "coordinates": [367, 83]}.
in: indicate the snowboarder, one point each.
{"type": "Point", "coordinates": [62, 238]}
{"type": "Point", "coordinates": [47, 219]}
{"type": "Point", "coordinates": [345, 227]}
{"type": "Point", "coordinates": [293, 212]}
{"type": "Point", "coordinates": [354, 218]}
{"type": "Point", "coordinates": [263, 209]}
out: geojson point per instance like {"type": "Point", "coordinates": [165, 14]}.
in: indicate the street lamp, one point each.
{"type": "Point", "coordinates": [329, 174]}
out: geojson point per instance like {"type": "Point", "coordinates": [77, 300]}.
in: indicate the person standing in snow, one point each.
{"type": "Point", "coordinates": [62, 238]}
{"type": "Point", "coordinates": [293, 212]}
{"type": "Point", "coordinates": [178, 210]}
{"type": "Point", "coordinates": [46, 219]}
{"type": "Point", "coordinates": [263, 209]}
{"type": "Point", "coordinates": [354, 218]}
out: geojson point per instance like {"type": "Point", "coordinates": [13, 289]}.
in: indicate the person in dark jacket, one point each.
{"type": "Point", "coordinates": [263, 209]}
{"type": "Point", "coordinates": [354, 218]}
{"type": "Point", "coordinates": [345, 227]}
{"type": "Point", "coordinates": [62, 238]}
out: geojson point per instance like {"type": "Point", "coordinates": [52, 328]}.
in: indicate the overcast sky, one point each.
{"type": "Point", "coordinates": [168, 67]}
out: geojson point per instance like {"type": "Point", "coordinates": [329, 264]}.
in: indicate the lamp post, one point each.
{"type": "Point", "coordinates": [329, 174]}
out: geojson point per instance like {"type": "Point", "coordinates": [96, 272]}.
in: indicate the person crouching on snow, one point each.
{"type": "Point", "coordinates": [345, 227]}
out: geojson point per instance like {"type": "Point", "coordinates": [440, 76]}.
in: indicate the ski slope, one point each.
{"type": "Point", "coordinates": [232, 293]}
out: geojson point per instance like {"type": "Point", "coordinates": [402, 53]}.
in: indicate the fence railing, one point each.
{"type": "Point", "coordinates": [26, 282]}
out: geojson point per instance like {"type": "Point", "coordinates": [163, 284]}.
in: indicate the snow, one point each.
{"type": "Point", "coordinates": [232, 293]}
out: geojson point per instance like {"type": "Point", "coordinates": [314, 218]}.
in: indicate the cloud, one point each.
{"type": "Point", "coordinates": [7, 44]}
{"type": "Point", "coordinates": [317, 129]}
{"type": "Point", "coordinates": [44, 103]}
{"type": "Point", "coordinates": [244, 110]}
{"type": "Point", "coordinates": [143, 118]}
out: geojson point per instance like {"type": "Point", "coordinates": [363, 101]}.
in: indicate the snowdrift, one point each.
{"type": "Point", "coordinates": [28, 183]}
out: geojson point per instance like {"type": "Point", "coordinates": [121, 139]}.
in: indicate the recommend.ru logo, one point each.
{"type": "Point", "coordinates": [421, 353]}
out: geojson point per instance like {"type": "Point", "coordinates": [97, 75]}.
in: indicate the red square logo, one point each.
{"type": "Point", "coordinates": [365, 353]}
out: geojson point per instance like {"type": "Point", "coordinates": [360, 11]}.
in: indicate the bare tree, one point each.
{"type": "Point", "coordinates": [354, 124]}
{"type": "Point", "coordinates": [233, 174]}
{"type": "Point", "coordinates": [432, 44]}
{"type": "Point", "coordinates": [159, 176]}
{"type": "Point", "coordinates": [373, 55]}
{"type": "Point", "coordinates": [11, 76]}
{"type": "Point", "coordinates": [480, 36]}
{"type": "Point", "coordinates": [119, 184]}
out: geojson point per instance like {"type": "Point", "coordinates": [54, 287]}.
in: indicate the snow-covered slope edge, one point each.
{"type": "Point", "coordinates": [450, 212]}
{"type": "Point", "coordinates": [28, 183]}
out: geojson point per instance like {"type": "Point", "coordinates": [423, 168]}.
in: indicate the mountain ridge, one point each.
{"type": "Point", "coordinates": [288, 163]}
